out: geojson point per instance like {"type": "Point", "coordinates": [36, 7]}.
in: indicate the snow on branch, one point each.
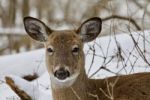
{"type": "Point", "coordinates": [22, 94]}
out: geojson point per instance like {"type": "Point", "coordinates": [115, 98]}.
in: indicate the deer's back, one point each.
{"type": "Point", "coordinates": [127, 87]}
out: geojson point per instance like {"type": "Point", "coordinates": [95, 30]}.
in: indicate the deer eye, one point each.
{"type": "Point", "coordinates": [75, 49]}
{"type": "Point", "coordinates": [50, 50]}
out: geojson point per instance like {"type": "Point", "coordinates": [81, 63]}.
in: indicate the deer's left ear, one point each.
{"type": "Point", "coordinates": [90, 29]}
{"type": "Point", "coordinates": [36, 29]}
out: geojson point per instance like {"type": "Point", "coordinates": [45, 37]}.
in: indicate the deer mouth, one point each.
{"type": "Point", "coordinates": [63, 82]}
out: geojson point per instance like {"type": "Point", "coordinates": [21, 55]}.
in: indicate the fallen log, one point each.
{"type": "Point", "coordinates": [22, 94]}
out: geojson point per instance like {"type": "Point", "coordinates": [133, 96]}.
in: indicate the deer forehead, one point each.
{"type": "Point", "coordinates": [65, 38]}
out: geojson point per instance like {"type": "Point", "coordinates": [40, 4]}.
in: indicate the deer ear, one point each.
{"type": "Point", "coordinates": [36, 29]}
{"type": "Point", "coordinates": [90, 29]}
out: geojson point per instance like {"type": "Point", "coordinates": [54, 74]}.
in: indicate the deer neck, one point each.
{"type": "Point", "coordinates": [78, 91]}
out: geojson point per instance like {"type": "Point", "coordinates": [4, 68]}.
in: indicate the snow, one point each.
{"type": "Point", "coordinates": [32, 62]}
{"type": "Point", "coordinates": [34, 88]}
{"type": "Point", "coordinates": [6, 93]}
{"type": "Point", "coordinates": [18, 65]}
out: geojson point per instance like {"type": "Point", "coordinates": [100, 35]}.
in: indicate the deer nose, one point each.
{"type": "Point", "coordinates": [61, 73]}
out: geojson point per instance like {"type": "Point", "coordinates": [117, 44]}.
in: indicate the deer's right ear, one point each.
{"type": "Point", "coordinates": [36, 29]}
{"type": "Point", "coordinates": [90, 29]}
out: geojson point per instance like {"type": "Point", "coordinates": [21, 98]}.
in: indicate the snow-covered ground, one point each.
{"type": "Point", "coordinates": [107, 50]}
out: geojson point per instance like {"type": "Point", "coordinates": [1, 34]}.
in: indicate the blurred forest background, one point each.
{"type": "Point", "coordinates": [118, 16]}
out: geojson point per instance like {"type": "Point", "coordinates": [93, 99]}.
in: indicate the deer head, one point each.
{"type": "Point", "coordinates": [64, 48]}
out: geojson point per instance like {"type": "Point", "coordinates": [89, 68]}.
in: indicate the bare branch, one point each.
{"type": "Point", "coordinates": [123, 18]}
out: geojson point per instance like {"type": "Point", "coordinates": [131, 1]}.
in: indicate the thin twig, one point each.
{"type": "Point", "coordinates": [75, 93]}
{"type": "Point", "coordinates": [110, 89]}
{"type": "Point", "coordinates": [94, 95]}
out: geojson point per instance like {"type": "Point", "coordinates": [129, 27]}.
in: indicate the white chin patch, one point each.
{"type": "Point", "coordinates": [56, 83]}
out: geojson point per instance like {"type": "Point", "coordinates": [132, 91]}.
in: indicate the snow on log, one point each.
{"type": "Point", "coordinates": [22, 94]}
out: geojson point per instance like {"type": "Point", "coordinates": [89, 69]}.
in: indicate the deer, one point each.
{"type": "Point", "coordinates": [65, 61]}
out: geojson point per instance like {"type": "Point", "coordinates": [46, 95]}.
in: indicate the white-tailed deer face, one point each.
{"type": "Point", "coordinates": [64, 49]}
